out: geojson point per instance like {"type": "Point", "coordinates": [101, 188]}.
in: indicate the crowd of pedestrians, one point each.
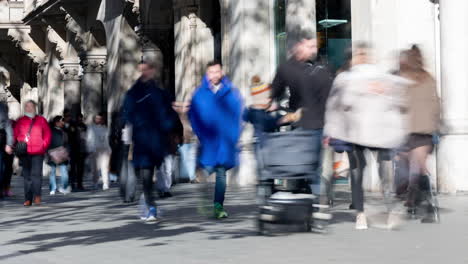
{"type": "Point", "coordinates": [357, 109]}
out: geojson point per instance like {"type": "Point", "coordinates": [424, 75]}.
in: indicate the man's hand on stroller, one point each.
{"type": "Point", "coordinates": [291, 117]}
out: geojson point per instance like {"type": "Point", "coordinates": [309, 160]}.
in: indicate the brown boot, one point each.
{"type": "Point", "coordinates": [27, 203]}
{"type": "Point", "coordinates": [37, 200]}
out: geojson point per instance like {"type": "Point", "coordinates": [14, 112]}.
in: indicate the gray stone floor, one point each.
{"type": "Point", "coordinates": [95, 227]}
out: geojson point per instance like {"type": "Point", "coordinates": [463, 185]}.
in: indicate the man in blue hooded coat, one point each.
{"type": "Point", "coordinates": [147, 108]}
{"type": "Point", "coordinates": [215, 115]}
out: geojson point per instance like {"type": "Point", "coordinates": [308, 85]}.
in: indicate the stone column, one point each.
{"type": "Point", "coordinates": [300, 15]}
{"type": "Point", "coordinates": [451, 160]}
{"type": "Point", "coordinates": [71, 76]}
{"type": "Point", "coordinates": [92, 85]}
{"type": "Point", "coordinates": [185, 48]}
{"type": "Point", "coordinates": [247, 42]}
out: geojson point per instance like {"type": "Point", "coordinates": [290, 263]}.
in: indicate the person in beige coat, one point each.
{"type": "Point", "coordinates": [424, 117]}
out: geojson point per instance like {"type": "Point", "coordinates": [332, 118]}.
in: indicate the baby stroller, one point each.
{"type": "Point", "coordinates": [287, 162]}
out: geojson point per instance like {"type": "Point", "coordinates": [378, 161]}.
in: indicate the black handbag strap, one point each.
{"type": "Point", "coordinates": [30, 128]}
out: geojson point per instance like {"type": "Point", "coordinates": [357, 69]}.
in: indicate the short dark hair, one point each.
{"type": "Point", "coordinates": [56, 119]}
{"type": "Point", "coordinates": [305, 33]}
{"type": "Point", "coordinates": [214, 63]}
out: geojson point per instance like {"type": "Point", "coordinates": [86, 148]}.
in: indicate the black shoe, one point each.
{"type": "Point", "coordinates": [351, 207]}
{"type": "Point", "coordinates": [430, 219]}
{"type": "Point", "coordinates": [167, 195]}
{"type": "Point", "coordinates": [161, 195]}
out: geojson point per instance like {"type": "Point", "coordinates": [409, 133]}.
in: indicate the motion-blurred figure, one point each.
{"type": "Point", "coordinates": [97, 142]}
{"type": "Point", "coordinates": [147, 109]}
{"type": "Point", "coordinates": [188, 147]}
{"type": "Point", "coordinates": [116, 144]}
{"type": "Point", "coordinates": [424, 114]}
{"type": "Point", "coordinates": [215, 115]}
{"type": "Point", "coordinates": [166, 172]}
{"type": "Point", "coordinates": [366, 108]}
{"type": "Point", "coordinates": [264, 121]}
{"type": "Point", "coordinates": [8, 159]}
{"type": "Point", "coordinates": [309, 85]}
{"type": "Point", "coordinates": [6, 149]}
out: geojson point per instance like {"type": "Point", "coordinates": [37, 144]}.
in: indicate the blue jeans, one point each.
{"type": "Point", "coordinates": [63, 176]}
{"type": "Point", "coordinates": [220, 186]}
{"type": "Point", "coordinates": [188, 161]}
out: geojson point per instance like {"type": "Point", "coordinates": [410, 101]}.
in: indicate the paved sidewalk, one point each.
{"type": "Point", "coordinates": [95, 227]}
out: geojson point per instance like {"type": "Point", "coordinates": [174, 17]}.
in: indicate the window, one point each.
{"type": "Point", "coordinates": [333, 30]}
{"type": "Point", "coordinates": [280, 31]}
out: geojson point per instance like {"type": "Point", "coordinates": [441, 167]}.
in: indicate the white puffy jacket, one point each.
{"type": "Point", "coordinates": [367, 107]}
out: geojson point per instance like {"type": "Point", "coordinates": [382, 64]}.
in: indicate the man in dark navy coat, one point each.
{"type": "Point", "coordinates": [147, 109]}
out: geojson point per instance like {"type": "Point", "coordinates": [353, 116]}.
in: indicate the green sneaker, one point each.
{"type": "Point", "coordinates": [219, 211]}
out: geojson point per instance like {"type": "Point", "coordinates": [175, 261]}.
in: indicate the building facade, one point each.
{"type": "Point", "coordinates": [82, 55]}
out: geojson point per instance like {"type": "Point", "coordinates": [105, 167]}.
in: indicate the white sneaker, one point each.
{"type": "Point", "coordinates": [151, 218]}
{"type": "Point", "coordinates": [61, 190]}
{"type": "Point", "coordinates": [394, 221]}
{"type": "Point", "coordinates": [105, 187]}
{"type": "Point", "coordinates": [361, 222]}
{"type": "Point", "coordinates": [52, 193]}
{"type": "Point", "coordinates": [67, 190]}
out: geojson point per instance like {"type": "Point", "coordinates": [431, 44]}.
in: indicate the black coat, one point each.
{"type": "Point", "coordinates": [59, 139]}
{"type": "Point", "coordinates": [148, 109]}
{"type": "Point", "coordinates": [309, 85]}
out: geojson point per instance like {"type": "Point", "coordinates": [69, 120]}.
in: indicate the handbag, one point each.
{"type": "Point", "coordinates": [21, 148]}
{"type": "Point", "coordinates": [59, 155]}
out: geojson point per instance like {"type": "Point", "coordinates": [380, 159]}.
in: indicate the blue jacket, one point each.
{"type": "Point", "coordinates": [262, 121]}
{"type": "Point", "coordinates": [148, 109]}
{"type": "Point", "coordinates": [216, 120]}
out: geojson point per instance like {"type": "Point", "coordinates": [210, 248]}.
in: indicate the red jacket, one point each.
{"type": "Point", "coordinates": [40, 137]}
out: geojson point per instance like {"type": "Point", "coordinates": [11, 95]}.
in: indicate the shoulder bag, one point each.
{"type": "Point", "coordinates": [21, 148]}
{"type": "Point", "coordinates": [59, 155]}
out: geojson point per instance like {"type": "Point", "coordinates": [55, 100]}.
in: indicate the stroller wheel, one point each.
{"type": "Point", "coordinates": [412, 212]}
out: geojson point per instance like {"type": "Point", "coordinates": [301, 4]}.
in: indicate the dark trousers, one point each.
{"type": "Point", "coordinates": [32, 174]}
{"type": "Point", "coordinates": [116, 159]}
{"type": "Point", "coordinates": [77, 167]}
{"type": "Point", "coordinates": [7, 172]}
{"type": "Point", "coordinates": [146, 175]}
{"type": "Point", "coordinates": [2, 171]}
{"type": "Point", "coordinates": [357, 162]}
